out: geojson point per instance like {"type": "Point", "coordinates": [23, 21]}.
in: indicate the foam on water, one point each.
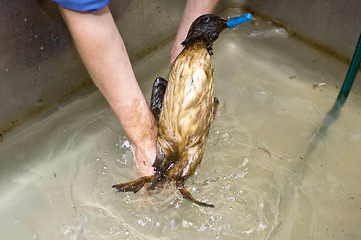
{"type": "Point", "coordinates": [56, 174]}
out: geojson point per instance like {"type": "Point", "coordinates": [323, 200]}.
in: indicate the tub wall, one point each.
{"type": "Point", "coordinates": [332, 24]}
{"type": "Point", "coordinates": [39, 66]}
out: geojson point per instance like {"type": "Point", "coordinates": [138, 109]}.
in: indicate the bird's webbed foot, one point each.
{"type": "Point", "coordinates": [133, 186]}
{"type": "Point", "coordinates": [188, 195]}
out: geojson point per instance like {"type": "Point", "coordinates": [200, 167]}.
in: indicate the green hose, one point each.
{"type": "Point", "coordinates": [352, 71]}
{"type": "Point", "coordinates": [302, 166]}
{"type": "Point", "coordinates": [347, 83]}
{"type": "Point", "coordinates": [334, 113]}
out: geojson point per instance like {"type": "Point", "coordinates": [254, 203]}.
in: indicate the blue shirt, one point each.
{"type": "Point", "coordinates": [83, 5]}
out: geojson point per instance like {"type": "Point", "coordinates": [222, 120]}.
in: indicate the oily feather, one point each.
{"type": "Point", "coordinates": [186, 115]}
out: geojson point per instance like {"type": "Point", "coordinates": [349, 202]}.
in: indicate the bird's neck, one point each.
{"type": "Point", "coordinates": [200, 45]}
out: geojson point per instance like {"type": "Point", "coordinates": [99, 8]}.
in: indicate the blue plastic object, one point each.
{"type": "Point", "coordinates": [233, 22]}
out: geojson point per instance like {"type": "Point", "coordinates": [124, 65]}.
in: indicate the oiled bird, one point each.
{"type": "Point", "coordinates": [184, 108]}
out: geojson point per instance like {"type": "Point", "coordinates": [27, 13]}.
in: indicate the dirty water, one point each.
{"type": "Point", "coordinates": [56, 174]}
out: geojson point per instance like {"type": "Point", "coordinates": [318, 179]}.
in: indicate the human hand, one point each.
{"type": "Point", "coordinates": [143, 167]}
{"type": "Point", "coordinates": [144, 157]}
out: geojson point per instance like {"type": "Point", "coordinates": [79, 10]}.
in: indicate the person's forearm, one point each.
{"type": "Point", "coordinates": [104, 55]}
{"type": "Point", "coordinates": [192, 10]}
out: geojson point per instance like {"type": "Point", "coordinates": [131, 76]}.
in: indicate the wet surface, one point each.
{"type": "Point", "coordinates": [56, 174]}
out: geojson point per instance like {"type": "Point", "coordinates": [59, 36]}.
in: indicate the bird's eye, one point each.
{"type": "Point", "coordinates": [206, 20]}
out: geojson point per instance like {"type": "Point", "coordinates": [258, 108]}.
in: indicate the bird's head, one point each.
{"type": "Point", "coordinates": [205, 28]}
